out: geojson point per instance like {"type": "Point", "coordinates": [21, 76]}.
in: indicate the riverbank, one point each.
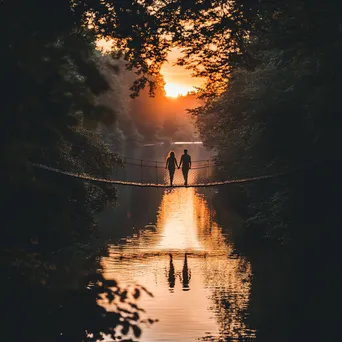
{"type": "Point", "coordinates": [294, 284]}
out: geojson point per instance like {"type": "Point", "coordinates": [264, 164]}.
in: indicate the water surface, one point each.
{"type": "Point", "coordinates": [201, 287]}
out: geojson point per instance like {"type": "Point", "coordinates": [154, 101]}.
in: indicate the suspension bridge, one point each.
{"type": "Point", "coordinates": [145, 173]}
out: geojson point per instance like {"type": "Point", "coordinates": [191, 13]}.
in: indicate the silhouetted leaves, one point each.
{"type": "Point", "coordinates": [51, 82]}
{"type": "Point", "coordinates": [136, 294]}
{"type": "Point", "coordinates": [125, 328]}
{"type": "Point", "coordinates": [282, 113]}
{"type": "Point", "coordinates": [136, 331]}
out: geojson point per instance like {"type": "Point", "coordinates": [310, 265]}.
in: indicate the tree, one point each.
{"type": "Point", "coordinates": [51, 81]}
{"type": "Point", "coordinates": [283, 114]}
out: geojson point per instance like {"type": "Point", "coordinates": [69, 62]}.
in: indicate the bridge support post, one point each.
{"type": "Point", "coordinates": [157, 171]}
{"type": "Point", "coordinates": [208, 170]}
{"type": "Point", "coordinates": [141, 171]}
{"type": "Point", "coordinates": [124, 171]}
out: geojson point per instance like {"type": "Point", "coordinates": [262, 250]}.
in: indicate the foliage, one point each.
{"type": "Point", "coordinates": [51, 84]}
{"type": "Point", "coordinates": [283, 115]}
{"type": "Point", "coordinates": [212, 36]}
{"type": "Point", "coordinates": [281, 112]}
{"type": "Point", "coordinates": [69, 304]}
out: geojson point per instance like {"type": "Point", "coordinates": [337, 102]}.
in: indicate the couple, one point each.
{"type": "Point", "coordinates": [185, 162]}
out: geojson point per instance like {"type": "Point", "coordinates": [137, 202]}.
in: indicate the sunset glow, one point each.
{"type": "Point", "coordinates": [155, 258]}
{"type": "Point", "coordinates": [174, 89]}
{"type": "Point", "coordinates": [178, 80]}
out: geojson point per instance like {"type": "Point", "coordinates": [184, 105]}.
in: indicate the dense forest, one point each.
{"type": "Point", "coordinates": [270, 104]}
{"type": "Point", "coordinates": [280, 113]}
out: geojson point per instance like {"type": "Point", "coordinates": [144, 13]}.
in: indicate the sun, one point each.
{"type": "Point", "coordinates": [176, 89]}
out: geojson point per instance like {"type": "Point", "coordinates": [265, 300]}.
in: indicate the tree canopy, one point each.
{"type": "Point", "coordinates": [283, 114]}
{"type": "Point", "coordinates": [271, 101]}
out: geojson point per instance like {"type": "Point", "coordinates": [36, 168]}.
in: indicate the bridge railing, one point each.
{"type": "Point", "coordinates": [154, 172]}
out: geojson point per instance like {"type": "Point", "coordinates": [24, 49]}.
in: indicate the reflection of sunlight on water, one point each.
{"type": "Point", "coordinates": [201, 289]}
{"type": "Point", "coordinates": [177, 220]}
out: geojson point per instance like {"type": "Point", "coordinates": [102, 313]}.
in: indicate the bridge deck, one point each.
{"type": "Point", "coordinates": [154, 185]}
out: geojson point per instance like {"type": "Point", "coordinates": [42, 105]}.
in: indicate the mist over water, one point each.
{"type": "Point", "coordinates": [90, 210]}
{"type": "Point", "coordinates": [144, 120]}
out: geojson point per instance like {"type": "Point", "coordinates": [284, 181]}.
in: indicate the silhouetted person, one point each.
{"type": "Point", "coordinates": [185, 163]}
{"type": "Point", "coordinates": [171, 164]}
{"type": "Point", "coordinates": [171, 278]}
{"type": "Point", "coordinates": [186, 274]}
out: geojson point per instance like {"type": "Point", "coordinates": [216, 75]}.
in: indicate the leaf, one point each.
{"type": "Point", "coordinates": [123, 296]}
{"type": "Point", "coordinates": [125, 328]}
{"type": "Point", "coordinates": [136, 294]}
{"type": "Point", "coordinates": [136, 331]}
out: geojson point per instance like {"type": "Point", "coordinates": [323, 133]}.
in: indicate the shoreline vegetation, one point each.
{"type": "Point", "coordinates": [271, 102]}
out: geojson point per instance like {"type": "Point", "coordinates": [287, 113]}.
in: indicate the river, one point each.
{"type": "Point", "coordinates": [185, 246]}
{"type": "Point", "coordinates": [170, 242]}
{"type": "Point", "coordinates": [207, 284]}
{"type": "Point", "coordinates": [201, 287]}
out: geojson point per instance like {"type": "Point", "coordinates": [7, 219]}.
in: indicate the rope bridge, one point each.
{"type": "Point", "coordinates": [144, 173]}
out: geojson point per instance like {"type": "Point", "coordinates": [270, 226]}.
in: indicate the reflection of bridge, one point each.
{"type": "Point", "coordinates": [144, 173]}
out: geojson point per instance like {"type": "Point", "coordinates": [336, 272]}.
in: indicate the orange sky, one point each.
{"type": "Point", "coordinates": [178, 80]}
{"type": "Point", "coordinates": [177, 77]}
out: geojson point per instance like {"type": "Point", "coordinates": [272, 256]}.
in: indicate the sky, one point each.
{"type": "Point", "coordinates": [178, 80]}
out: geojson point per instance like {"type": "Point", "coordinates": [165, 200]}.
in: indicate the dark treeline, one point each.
{"type": "Point", "coordinates": [280, 112]}
{"type": "Point", "coordinates": [54, 86]}
{"type": "Point", "coordinates": [145, 118]}
{"type": "Point", "coordinates": [66, 105]}
{"type": "Point", "coordinates": [271, 103]}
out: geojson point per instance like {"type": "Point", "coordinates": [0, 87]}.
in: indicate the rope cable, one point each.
{"type": "Point", "coordinates": [156, 184]}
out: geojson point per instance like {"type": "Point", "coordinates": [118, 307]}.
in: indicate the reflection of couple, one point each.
{"type": "Point", "coordinates": [185, 163]}
{"type": "Point", "coordinates": [185, 277]}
